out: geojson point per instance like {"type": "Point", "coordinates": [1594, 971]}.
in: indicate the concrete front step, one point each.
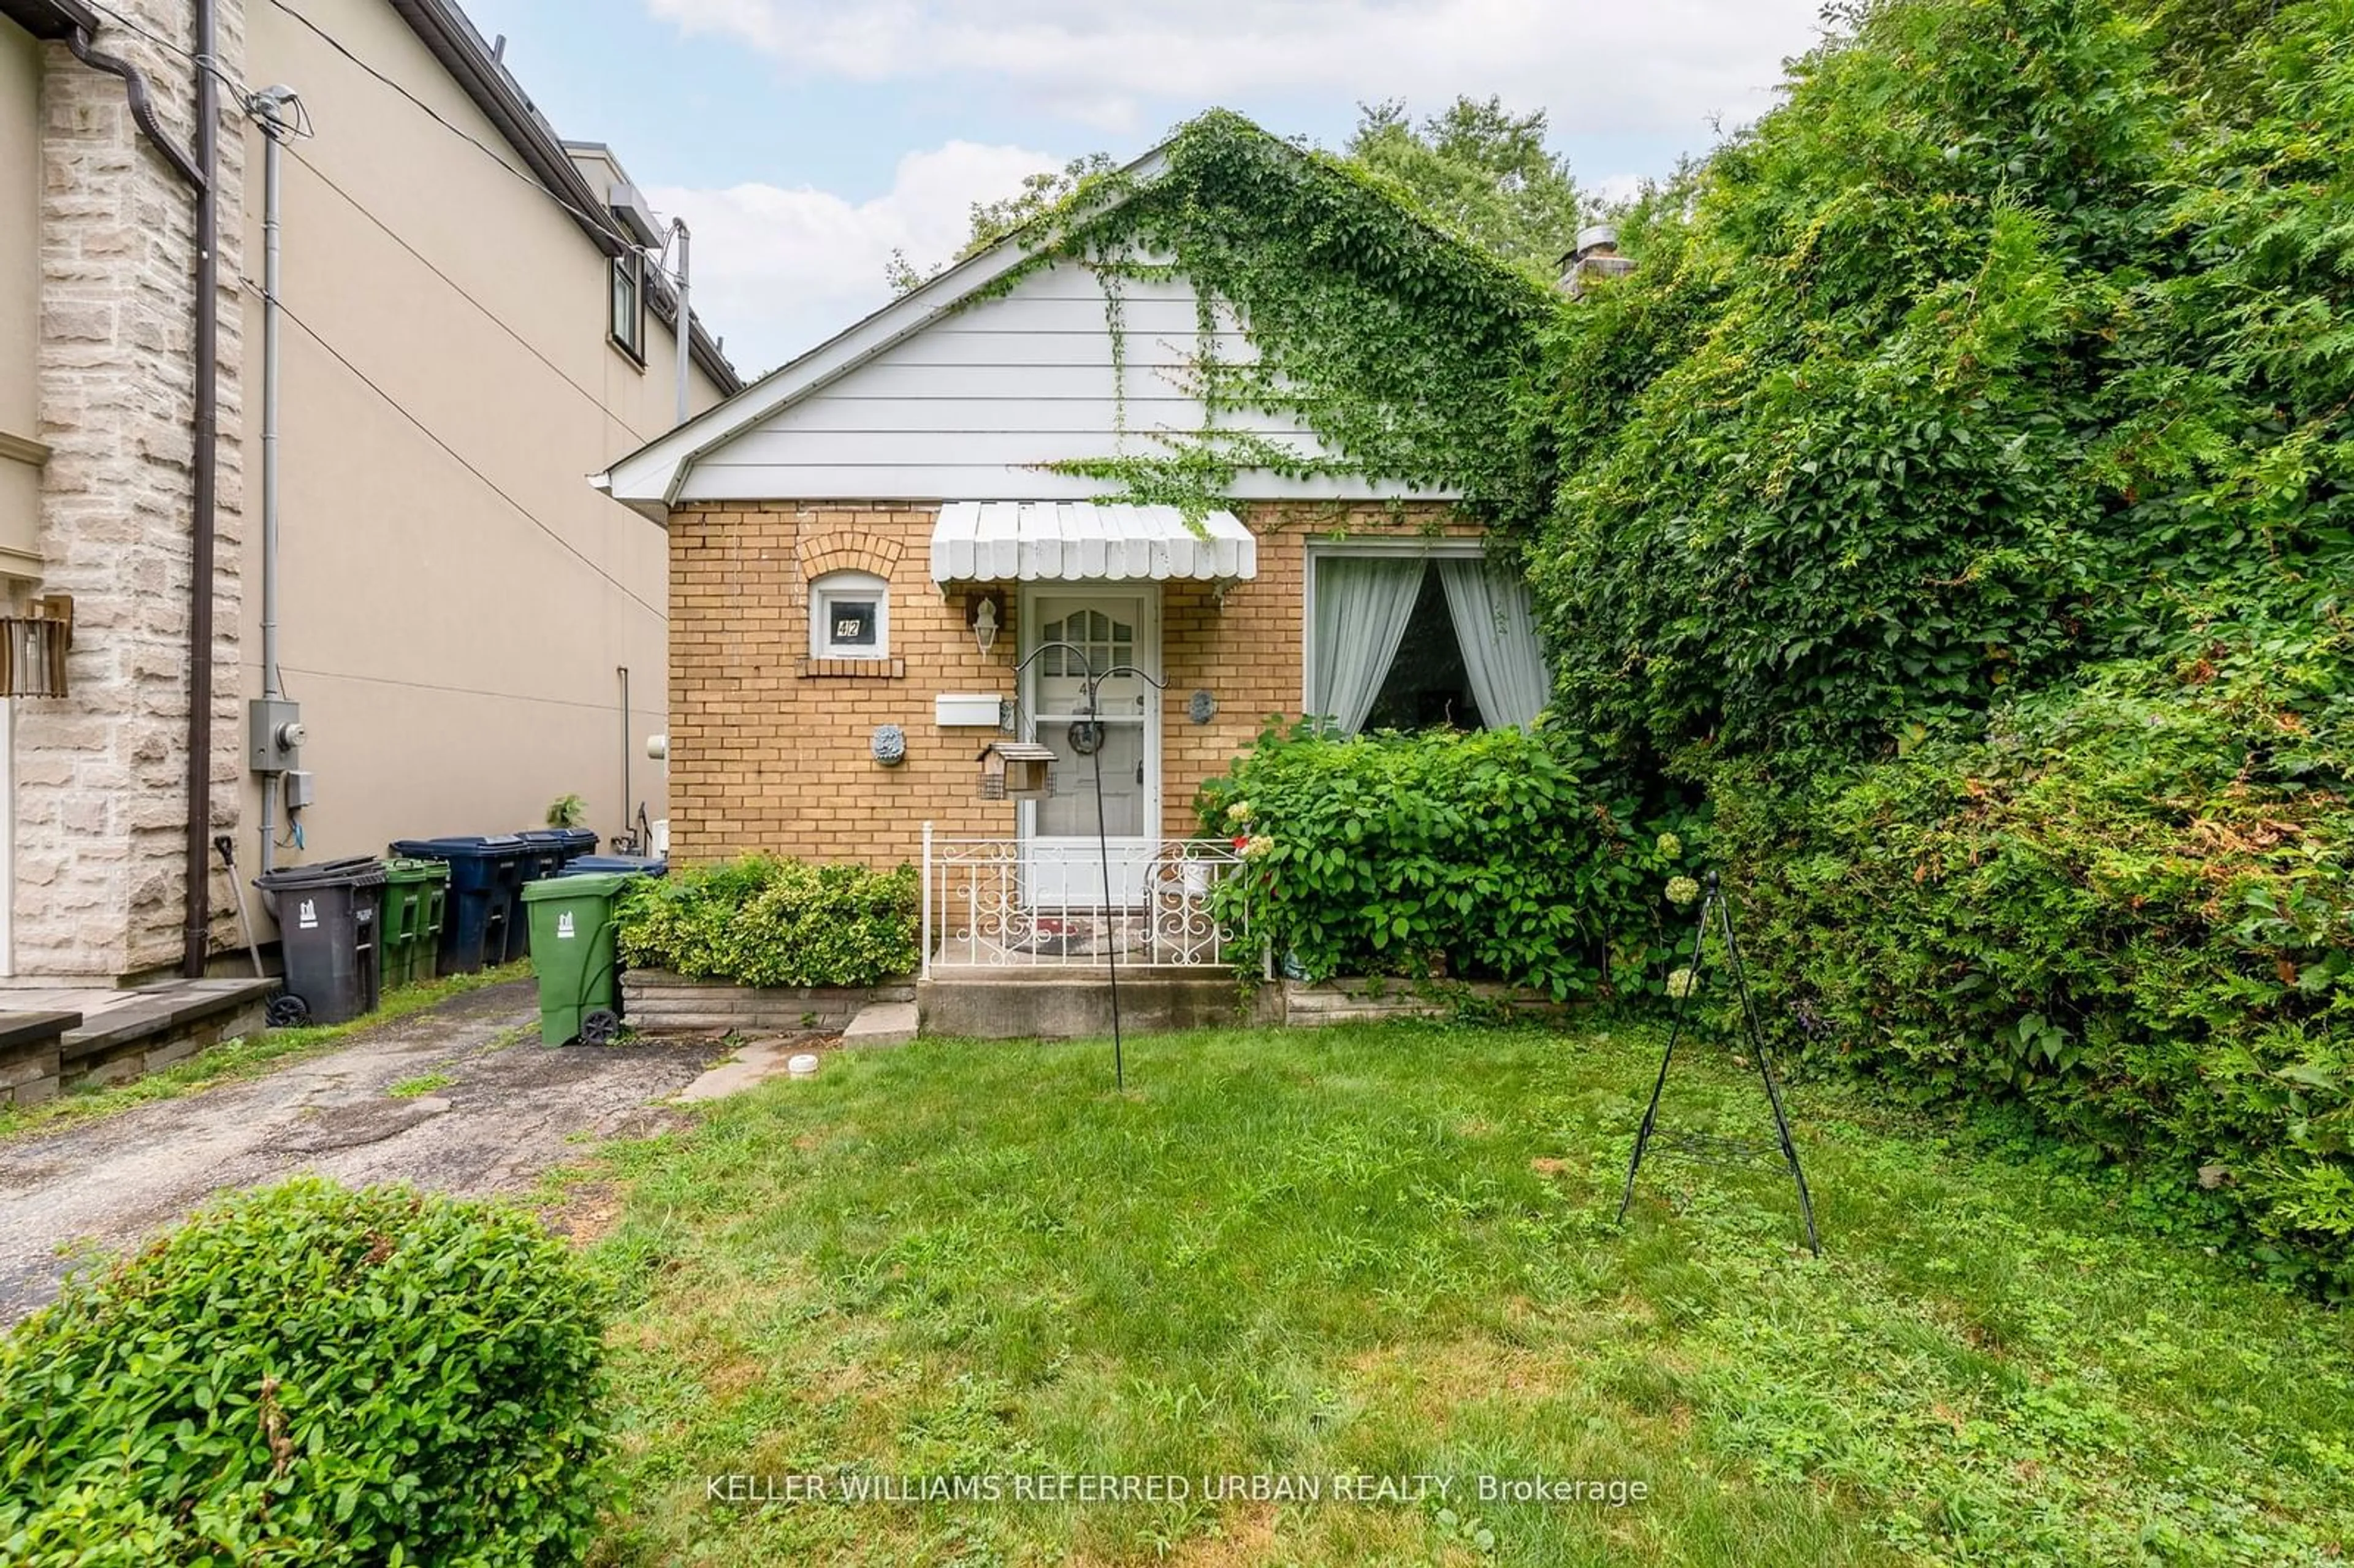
{"type": "Point", "coordinates": [1076, 1004]}
{"type": "Point", "coordinates": [882, 1024]}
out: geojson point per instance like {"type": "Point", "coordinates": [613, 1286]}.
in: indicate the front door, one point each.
{"type": "Point", "coordinates": [1119, 735]}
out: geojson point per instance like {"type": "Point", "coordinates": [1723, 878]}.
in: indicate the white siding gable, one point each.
{"type": "Point", "coordinates": [972, 406]}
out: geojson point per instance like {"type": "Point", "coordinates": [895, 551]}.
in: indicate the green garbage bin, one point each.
{"type": "Point", "coordinates": [573, 948]}
{"type": "Point", "coordinates": [415, 895]}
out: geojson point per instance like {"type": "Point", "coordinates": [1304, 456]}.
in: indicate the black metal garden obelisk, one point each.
{"type": "Point", "coordinates": [1713, 903]}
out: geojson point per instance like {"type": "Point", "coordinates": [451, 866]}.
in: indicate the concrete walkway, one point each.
{"type": "Point", "coordinates": [513, 1109]}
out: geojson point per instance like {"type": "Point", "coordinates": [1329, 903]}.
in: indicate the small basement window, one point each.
{"type": "Point", "coordinates": [849, 617]}
{"type": "Point", "coordinates": [628, 325]}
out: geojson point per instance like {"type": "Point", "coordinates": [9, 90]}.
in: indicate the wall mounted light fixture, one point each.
{"type": "Point", "coordinates": [984, 612]}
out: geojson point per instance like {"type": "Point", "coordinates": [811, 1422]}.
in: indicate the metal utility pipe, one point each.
{"type": "Point", "coordinates": [197, 940]}
{"type": "Point", "coordinates": [266, 107]}
{"type": "Point", "coordinates": [627, 826]}
{"type": "Point", "coordinates": [685, 333]}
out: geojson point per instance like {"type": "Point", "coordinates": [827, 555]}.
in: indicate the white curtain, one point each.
{"type": "Point", "coordinates": [1498, 633]}
{"type": "Point", "coordinates": [1363, 603]}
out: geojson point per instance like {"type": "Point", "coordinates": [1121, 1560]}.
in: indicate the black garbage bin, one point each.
{"type": "Point", "coordinates": [327, 934]}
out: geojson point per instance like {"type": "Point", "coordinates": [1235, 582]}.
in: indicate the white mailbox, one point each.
{"type": "Point", "coordinates": [966, 711]}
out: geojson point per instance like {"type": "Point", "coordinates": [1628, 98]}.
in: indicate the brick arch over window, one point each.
{"type": "Point", "coordinates": [850, 550]}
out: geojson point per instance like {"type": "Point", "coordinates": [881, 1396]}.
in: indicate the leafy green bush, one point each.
{"type": "Point", "coordinates": [309, 1375]}
{"type": "Point", "coordinates": [1494, 854]}
{"type": "Point", "coordinates": [766, 922]}
{"type": "Point", "coordinates": [2126, 909]}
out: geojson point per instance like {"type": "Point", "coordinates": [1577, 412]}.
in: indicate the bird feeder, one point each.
{"type": "Point", "coordinates": [1016, 770]}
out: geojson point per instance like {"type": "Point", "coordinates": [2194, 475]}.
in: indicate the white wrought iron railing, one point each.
{"type": "Point", "coordinates": [1028, 903]}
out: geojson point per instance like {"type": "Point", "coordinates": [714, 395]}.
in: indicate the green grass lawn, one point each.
{"type": "Point", "coordinates": [1391, 1252]}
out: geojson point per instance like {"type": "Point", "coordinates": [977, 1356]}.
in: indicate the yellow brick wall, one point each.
{"type": "Point", "coordinates": [771, 751]}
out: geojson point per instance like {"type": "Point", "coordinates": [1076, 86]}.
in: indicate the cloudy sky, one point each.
{"type": "Point", "coordinates": [803, 140]}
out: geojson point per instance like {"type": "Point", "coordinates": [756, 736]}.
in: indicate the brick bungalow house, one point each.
{"type": "Point", "coordinates": [870, 554]}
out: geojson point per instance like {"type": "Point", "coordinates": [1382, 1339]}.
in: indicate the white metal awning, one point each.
{"type": "Point", "coordinates": [1031, 541]}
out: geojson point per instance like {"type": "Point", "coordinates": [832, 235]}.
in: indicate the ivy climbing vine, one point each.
{"type": "Point", "coordinates": [1398, 345]}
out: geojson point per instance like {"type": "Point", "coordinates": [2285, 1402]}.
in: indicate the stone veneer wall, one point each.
{"type": "Point", "coordinates": [101, 777]}
{"type": "Point", "coordinates": [769, 750]}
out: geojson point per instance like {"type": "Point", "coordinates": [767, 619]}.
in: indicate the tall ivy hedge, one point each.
{"type": "Point", "coordinates": [2125, 907]}
{"type": "Point", "coordinates": [1959, 494]}
{"type": "Point", "coordinates": [2017, 334]}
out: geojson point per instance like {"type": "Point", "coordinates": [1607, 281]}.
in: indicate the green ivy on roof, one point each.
{"type": "Point", "coordinates": [1398, 343]}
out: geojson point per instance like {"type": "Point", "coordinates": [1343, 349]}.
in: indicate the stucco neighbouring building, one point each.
{"type": "Point", "coordinates": [475, 316]}
{"type": "Point", "coordinates": [883, 564]}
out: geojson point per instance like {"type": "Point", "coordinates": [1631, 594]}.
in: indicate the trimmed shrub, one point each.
{"type": "Point", "coordinates": [2125, 911]}
{"type": "Point", "coordinates": [1487, 855]}
{"type": "Point", "coordinates": [309, 1375]}
{"type": "Point", "coordinates": [765, 922]}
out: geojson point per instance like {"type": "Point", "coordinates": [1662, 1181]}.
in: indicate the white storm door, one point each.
{"type": "Point", "coordinates": [1105, 629]}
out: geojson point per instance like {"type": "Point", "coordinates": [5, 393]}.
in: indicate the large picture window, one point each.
{"type": "Point", "coordinates": [1411, 639]}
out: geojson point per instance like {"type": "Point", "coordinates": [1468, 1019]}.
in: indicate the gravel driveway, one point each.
{"type": "Point", "coordinates": [513, 1109]}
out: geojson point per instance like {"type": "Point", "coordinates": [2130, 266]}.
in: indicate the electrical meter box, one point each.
{"type": "Point", "coordinates": [275, 731]}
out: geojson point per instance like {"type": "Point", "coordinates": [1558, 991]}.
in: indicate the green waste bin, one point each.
{"type": "Point", "coordinates": [415, 896]}
{"type": "Point", "coordinates": [572, 948]}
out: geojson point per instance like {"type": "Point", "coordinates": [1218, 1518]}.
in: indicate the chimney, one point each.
{"type": "Point", "coordinates": [1597, 256]}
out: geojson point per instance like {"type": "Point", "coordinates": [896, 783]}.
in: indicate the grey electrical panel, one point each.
{"type": "Point", "coordinates": [275, 732]}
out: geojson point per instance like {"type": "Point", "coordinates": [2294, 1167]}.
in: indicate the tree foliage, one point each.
{"type": "Point", "coordinates": [1041, 193]}
{"type": "Point", "coordinates": [2013, 338]}
{"type": "Point", "coordinates": [1479, 171]}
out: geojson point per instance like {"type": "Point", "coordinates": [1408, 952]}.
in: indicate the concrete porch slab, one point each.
{"type": "Point", "coordinates": [124, 1031]}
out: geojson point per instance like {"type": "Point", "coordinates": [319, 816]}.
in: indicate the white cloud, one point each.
{"type": "Point", "coordinates": [780, 270]}
{"type": "Point", "coordinates": [1615, 188]}
{"type": "Point", "coordinates": [1642, 65]}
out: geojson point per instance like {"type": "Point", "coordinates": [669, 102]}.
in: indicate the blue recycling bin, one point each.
{"type": "Point", "coordinates": [553, 849]}
{"type": "Point", "coordinates": [625, 864]}
{"type": "Point", "coordinates": [483, 924]}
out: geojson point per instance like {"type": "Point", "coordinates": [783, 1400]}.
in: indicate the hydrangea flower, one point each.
{"type": "Point", "coordinates": [1240, 811]}
{"type": "Point", "coordinates": [1679, 982]}
{"type": "Point", "coordinates": [1681, 890]}
{"type": "Point", "coordinates": [1256, 845]}
{"type": "Point", "coordinates": [1670, 846]}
